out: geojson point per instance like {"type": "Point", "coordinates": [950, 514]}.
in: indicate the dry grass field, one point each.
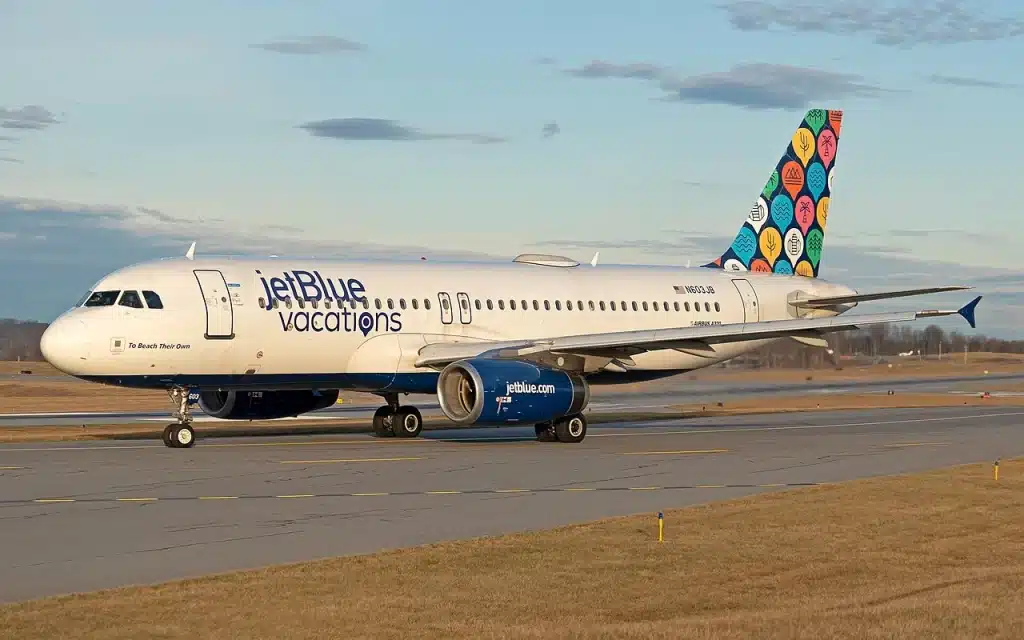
{"type": "Point", "coordinates": [933, 555]}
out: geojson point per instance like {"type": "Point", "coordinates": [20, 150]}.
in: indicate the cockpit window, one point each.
{"type": "Point", "coordinates": [153, 301]}
{"type": "Point", "coordinates": [102, 299]}
{"type": "Point", "coordinates": [81, 301]}
{"type": "Point", "coordinates": [131, 299]}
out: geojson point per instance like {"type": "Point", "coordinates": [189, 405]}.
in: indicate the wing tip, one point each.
{"type": "Point", "coordinates": [968, 312]}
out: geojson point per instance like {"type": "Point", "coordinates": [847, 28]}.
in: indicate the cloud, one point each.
{"type": "Point", "coordinates": [771, 86]}
{"type": "Point", "coordinates": [551, 129]}
{"type": "Point", "coordinates": [546, 60]}
{"type": "Point", "coordinates": [30, 117]}
{"type": "Point", "coordinates": [389, 130]}
{"type": "Point", "coordinates": [751, 86]}
{"type": "Point", "coordinates": [312, 45]}
{"type": "Point", "coordinates": [8, 139]}
{"type": "Point", "coordinates": [901, 25]}
{"type": "Point", "coordinates": [602, 69]}
{"type": "Point", "coordinates": [10, 160]}
{"type": "Point", "coordinates": [960, 81]}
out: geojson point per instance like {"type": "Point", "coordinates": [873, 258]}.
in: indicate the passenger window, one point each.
{"type": "Point", "coordinates": [415, 303]}
{"type": "Point", "coordinates": [558, 305]}
{"type": "Point", "coordinates": [547, 306]}
{"type": "Point", "coordinates": [707, 307]}
{"type": "Point", "coordinates": [536, 307]}
{"type": "Point", "coordinates": [655, 306]}
{"type": "Point", "coordinates": [664, 304]}
{"type": "Point", "coordinates": [401, 303]}
{"type": "Point", "coordinates": [102, 299]}
{"type": "Point", "coordinates": [479, 305]}
{"type": "Point", "coordinates": [687, 307]}
{"type": "Point", "coordinates": [645, 307]}
{"type": "Point", "coordinates": [131, 299]}
{"type": "Point", "coordinates": [601, 305]}
{"type": "Point", "coordinates": [512, 305]}
{"type": "Point", "coordinates": [525, 306]}
{"type": "Point", "coordinates": [501, 304]}
{"type": "Point", "coordinates": [153, 301]}
{"type": "Point", "coordinates": [591, 303]}
{"type": "Point", "coordinates": [263, 302]}
{"type": "Point", "coordinates": [568, 305]}
{"type": "Point", "coordinates": [676, 305]}
{"type": "Point", "coordinates": [612, 303]}
{"type": "Point", "coordinates": [391, 304]}
{"type": "Point", "coordinates": [490, 305]}
{"type": "Point", "coordinates": [302, 302]}
{"type": "Point", "coordinates": [624, 306]}
{"type": "Point", "coordinates": [634, 305]}
{"type": "Point", "coordinates": [426, 304]}
{"type": "Point", "coordinates": [717, 308]}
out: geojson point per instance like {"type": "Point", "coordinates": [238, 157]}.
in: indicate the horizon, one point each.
{"type": "Point", "coordinates": [396, 130]}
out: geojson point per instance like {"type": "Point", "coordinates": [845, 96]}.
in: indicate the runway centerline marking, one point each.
{"type": "Point", "coordinates": [126, 500]}
{"type": "Point", "coordinates": [338, 460]}
{"type": "Point", "coordinates": [915, 444]}
{"type": "Point", "coordinates": [10, 468]}
{"type": "Point", "coordinates": [670, 453]}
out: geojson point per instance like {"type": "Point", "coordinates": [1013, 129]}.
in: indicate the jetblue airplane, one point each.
{"type": "Point", "coordinates": [498, 343]}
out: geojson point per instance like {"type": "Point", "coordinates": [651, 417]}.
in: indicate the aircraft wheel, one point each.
{"type": "Point", "coordinates": [168, 435]}
{"type": "Point", "coordinates": [382, 420]}
{"type": "Point", "coordinates": [407, 422]}
{"type": "Point", "coordinates": [571, 428]}
{"type": "Point", "coordinates": [179, 436]}
{"type": "Point", "coordinates": [545, 432]}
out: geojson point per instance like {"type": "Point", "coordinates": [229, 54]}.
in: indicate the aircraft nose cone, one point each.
{"type": "Point", "coordinates": [65, 344]}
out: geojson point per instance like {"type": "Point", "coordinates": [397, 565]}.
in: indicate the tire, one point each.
{"type": "Point", "coordinates": [380, 428]}
{"type": "Point", "coordinates": [571, 428]}
{"type": "Point", "coordinates": [183, 437]}
{"type": "Point", "coordinates": [167, 436]}
{"type": "Point", "coordinates": [408, 422]}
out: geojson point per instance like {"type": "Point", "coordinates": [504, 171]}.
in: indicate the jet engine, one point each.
{"type": "Point", "coordinates": [495, 392]}
{"type": "Point", "coordinates": [264, 405]}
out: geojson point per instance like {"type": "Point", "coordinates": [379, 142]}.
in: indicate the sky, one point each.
{"type": "Point", "coordinates": [129, 129]}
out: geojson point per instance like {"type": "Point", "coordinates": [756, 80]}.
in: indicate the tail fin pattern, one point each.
{"type": "Point", "coordinates": [785, 230]}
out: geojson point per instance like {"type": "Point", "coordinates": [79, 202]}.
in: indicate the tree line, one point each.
{"type": "Point", "coordinates": [20, 340]}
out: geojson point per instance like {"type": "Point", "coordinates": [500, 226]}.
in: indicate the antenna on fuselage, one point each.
{"type": "Point", "coordinates": [191, 253]}
{"type": "Point", "coordinates": [593, 261]}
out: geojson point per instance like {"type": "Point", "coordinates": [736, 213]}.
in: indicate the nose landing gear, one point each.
{"type": "Point", "coordinates": [180, 434]}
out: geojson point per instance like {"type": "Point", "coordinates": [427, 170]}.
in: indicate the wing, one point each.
{"type": "Point", "coordinates": [693, 340]}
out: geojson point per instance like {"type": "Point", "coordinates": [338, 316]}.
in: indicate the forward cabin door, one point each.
{"type": "Point", "coordinates": [749, 297]}
{"type": "Point", "coordinates": [220, 315]}
{"type": "Point", "coordinates": [445, 302]}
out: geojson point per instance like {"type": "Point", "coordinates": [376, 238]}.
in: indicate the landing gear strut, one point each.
{"type": "Point", "coordinates": [565, 429]}
{"type": "Point", "coordinates": [180, 435]}
{"type": "Point", "coordinates": [394, 420]}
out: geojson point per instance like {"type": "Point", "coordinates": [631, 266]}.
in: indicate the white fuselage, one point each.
{"type": "Point", "coordinates": [361, 325]}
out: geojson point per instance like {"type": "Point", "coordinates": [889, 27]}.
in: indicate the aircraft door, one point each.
{"type": "Point", "coordinates": [446, 307]}
{"type": "Point", "coordinates": [220, 316]}
{"type": "Point", "coordinates": [751, 312]}
{"type": "Point", "coordinates": [465, 312]}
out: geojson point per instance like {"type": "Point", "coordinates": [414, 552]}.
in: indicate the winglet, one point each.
{"type": "Point", "coordinates": [967, 311]}
{"type": "Point", "coordinates": [593, 261]}
{"type": "Point", "coordinates": [191, 253]}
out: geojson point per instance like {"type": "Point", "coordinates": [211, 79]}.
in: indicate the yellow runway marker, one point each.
{"type": "Point", "coordinates": [51, 500]}
{"type": "Point", "coordinates": [674, 453]}
{"type": "Point", "coordinates": [136, 499]}
{"type": "Point", "coordinates": [218, 497]}
{"type": "Point", "coordinates": [710, 486]}
{"type": "Point", "coordinates": [916, 444]}
{"type": "Point", "coordinates": [579, 489]}
{"type": "Point", "coordinates": [10, 468]}
{"type": "Point", "coordinates": [771, 485]}
{"type": "Point", "coordinates": [340, 460]}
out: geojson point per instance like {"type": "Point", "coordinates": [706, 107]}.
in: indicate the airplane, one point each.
{"type": "Point", "coordinates": [499, 343]}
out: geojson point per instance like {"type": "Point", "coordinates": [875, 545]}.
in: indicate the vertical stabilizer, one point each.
{"type": "Point", "coordinates": [785, 230]}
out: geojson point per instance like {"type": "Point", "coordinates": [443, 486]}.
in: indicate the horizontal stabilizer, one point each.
{"type": "Point", "coordinates": [829, 301]}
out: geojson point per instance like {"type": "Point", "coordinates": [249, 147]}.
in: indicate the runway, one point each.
{"type": "Point", "coordinates": [607, 398]}
{"type": "Point", "coordinates": [84, 516]}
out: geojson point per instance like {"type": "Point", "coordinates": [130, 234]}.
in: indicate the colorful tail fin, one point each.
{"type": "Point", "coordinates": [785, 230]}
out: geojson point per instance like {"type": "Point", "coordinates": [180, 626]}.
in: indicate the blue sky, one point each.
{"type": "Point", "coordinates": [643, 128]}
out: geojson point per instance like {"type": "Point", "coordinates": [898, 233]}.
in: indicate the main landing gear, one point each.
{"type": "Point", "coordinates": [394, 420]}
{"type": "Point", "coordinates": [180, 434]}
{"type": "Point", "coordinates": [565, 429]}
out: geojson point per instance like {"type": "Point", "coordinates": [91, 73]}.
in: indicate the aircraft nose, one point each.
{"type": "Point", "coordinates": [65, 344]}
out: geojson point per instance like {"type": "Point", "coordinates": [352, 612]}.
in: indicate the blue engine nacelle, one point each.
{"type": "Point", "coordinates": [496, 392]}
